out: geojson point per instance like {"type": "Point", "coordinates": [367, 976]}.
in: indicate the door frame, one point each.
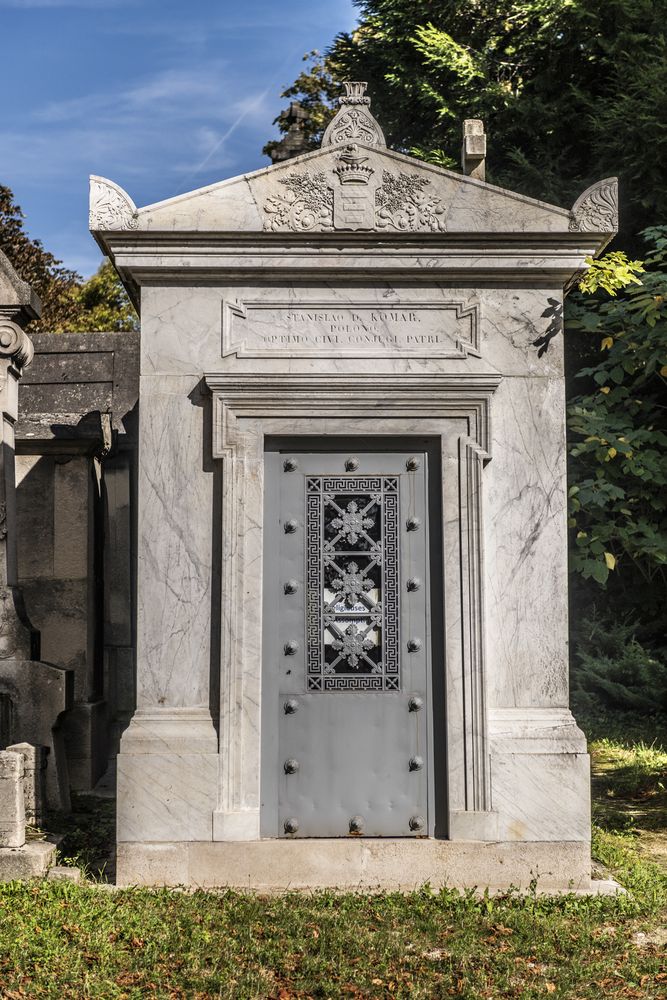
{"type": "Point", "coordinates": [247, 409]}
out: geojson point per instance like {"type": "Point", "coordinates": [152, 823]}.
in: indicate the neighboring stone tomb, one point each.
{"type": "Point", "coordinates": [67, 662]}
{"type": "Point", "coordinates": [75, 443]}
{"type": "Point", "coordinates": [352, 565]}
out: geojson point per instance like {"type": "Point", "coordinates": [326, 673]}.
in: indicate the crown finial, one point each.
{"type": "Point", "coordinates": [355, 93]}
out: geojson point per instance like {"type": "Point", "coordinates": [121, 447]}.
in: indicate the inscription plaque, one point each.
{"type": "Point", "coordinates": [265, 329]}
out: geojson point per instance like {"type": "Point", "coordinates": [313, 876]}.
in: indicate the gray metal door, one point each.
{"type": "Point", "coordinates": [345, 743]}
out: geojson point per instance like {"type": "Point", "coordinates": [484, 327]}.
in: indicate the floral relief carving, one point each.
{"type": "Point", "coordinates": [307, 204]}
{"type": "Point", "coordinates": [110, 207]}
{"type": "Point", "coordinates": [353, 121]}
{"type": "Point", "coordinates": [401, 203]}
{"type": "Point", "coordinates": [597, 209]}
{"type": "Point", "coordinates": [354, 126]}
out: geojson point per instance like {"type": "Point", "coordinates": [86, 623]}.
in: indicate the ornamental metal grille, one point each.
{"type": "Point", "coordinates": [352, 572]}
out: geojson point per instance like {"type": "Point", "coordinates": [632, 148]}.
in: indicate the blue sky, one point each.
{"type": "Point", "coordinates": [161, 96]}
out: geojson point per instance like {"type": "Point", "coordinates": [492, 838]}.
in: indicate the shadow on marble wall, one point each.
{"type": "Point", "coordinates": [200, 397]}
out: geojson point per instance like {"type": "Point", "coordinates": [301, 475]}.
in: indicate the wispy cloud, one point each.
{"type": "Point", "coordinates": [165, 91]}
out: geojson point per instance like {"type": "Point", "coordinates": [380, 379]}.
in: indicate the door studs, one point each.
{"type": "Point", "coordinates": [415, 764]}
{"type": "Point", "coordinates": [291, 647]}
{"type": "Point", "coordinates": [291, 766]}
{"type": "Point", "coordinates": [290, 706]}
{"type": "Point", "coordinates": [291, 825]}
{"type": "Point", "coordinates": [412, 463]}
{"type": "Point", "coordinates": [290, 586]}
{"type": "Point", "coordinates": [414, 583]}
{"type": "Point", "coordinates": [352, 463]}
{"type": "Point", "coordinates": [290, 526]}
{"type": "Point", "coordinates": [414, 645]}
{"type": "Point", "coordinates": [414, 705]}
{"type": "Point", "coordinates": [413, 524]}
{"type": "Point", "coordinates": [290, 465]}
{"type": "Point", "coordinates": [416, 823]}
{"type": "Point", "coordinates": [357, 824]}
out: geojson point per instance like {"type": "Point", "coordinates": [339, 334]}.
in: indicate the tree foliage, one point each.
{"type": "Point", "coordinates": [102, 304]}
{"type": "Point", "coordinates": [618, 496]}
{"type": "Point", "coordinates": [570, 91]}
{"type": "Point", "coordinates": [68, 302]}
{"type": "Point", "coordinates": [54, 283]}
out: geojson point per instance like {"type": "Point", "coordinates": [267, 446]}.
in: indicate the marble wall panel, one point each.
{"type": "Point", "coordinates": [175, 548]}
{"type": "Point", "coordinates": [525, 514]}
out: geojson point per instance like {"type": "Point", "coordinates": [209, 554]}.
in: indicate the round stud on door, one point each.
{"type": "Point", "coordinates": [290, 586]}
{"type": "Point", "coordinates": [417, 824]}
{"type": "Point", "coordinates": [412, 463]}
{"type": "Point", "coordinates": [415, 704]}
{"type": "Point", "coordinates": [291, 647]}
{"type": "Point", "coordinates": [352, 463]}
{"type": "Point", "coordinates": [291, 766]}
{"type": "Point", "coordinates": [290, 527]}
{"type": "Point", "coordinates": [416, 763]}
{"type": "Point", "coordinates": [290, 706]}
{"type": "Point", "coordinates": [413, 524]}
{"type": "Point", "coordinates": [291, 825]}
{"type": "Point", "coordinates": [357, 824]}
{"type": "Point", "coordinates": [413, 584]}
{"type": "Point", "coordinates": [290, 465]}
{"type": "Point", "coordinates": [414, 645]}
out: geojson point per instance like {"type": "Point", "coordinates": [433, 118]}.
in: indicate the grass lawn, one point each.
{"type": "Point", "coordinates": [61, 940]}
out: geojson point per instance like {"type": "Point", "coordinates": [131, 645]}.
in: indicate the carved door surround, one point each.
{"type": "Point", "coordinates": [454, 409]}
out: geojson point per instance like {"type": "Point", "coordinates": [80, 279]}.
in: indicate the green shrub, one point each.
{"type": "Point", "coordinates": [611, 668]}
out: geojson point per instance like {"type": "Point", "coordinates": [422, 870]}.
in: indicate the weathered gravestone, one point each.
{"type": "Point", "coordinates": [352, 635]}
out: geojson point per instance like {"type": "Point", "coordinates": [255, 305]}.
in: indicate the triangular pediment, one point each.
{"type": "Point", "coordinates": [353, 183]}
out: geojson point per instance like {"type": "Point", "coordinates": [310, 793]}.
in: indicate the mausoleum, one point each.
{"type": "Point", "coordinates": [351, 553]}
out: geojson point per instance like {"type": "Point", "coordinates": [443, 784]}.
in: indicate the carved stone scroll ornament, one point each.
{"type": "Point", "coordinates": [15, 344]}
{"type": "Point", "coordinates": [353, 122]}
{"type": "Point", "coordinates": [596, 210]}
{"type": "Point", "coordinates": [306, 204]}
{"type": "Point", "coordinates": [110, 206]}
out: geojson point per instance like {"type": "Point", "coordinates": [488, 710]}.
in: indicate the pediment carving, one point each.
{"type": "Point", "coordinates": [596, 210]}
{"type": "Point", "coordinates": [110, 206]}
{"type": "Point", "coordinates": [352, 195]}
